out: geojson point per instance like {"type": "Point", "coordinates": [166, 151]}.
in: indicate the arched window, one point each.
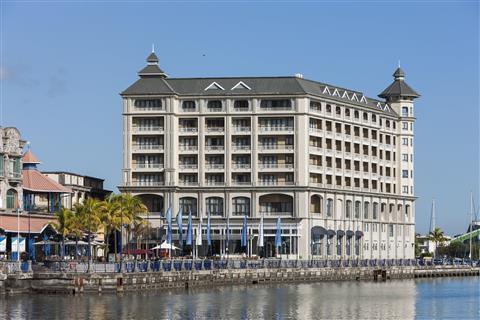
{"type": "Point", "coordinates": [339, 209]}
{"type": "Point", "coordinates": [383, 210]}
{"type": "Point", "coordinates": [365, 116]}
{"type": "Point", "coordinates": [11, 199]}
{"type": "Point", "coordinates": [348, 209]}
{"type": "Point", "coordinates": [187, 204]}
{"type": "Point", "coordinates": [241, 206]}
{"type": "Point", "coordinates": [374, 118]}
{"type": "Point", "coordinates": [375, 211]}
{"type": "Point", "coordinates": [357, 209]}
{"type": "Point", "coordinates": [366, 210]}
{"type": "Point", "coordinates": [214, 205]}
{"type": "Point", "coordinates": [407, 211]}
{"type": "Point", "coordinates": [329, 207]}
{"type": "Point", "coordinates": [338, 111]}
{"type": "Point", "coordinates": [356, 114]}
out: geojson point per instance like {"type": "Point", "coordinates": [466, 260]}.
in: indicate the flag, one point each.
{"type": "Point", "coordinates": [169, 225]}
{"type": "Point", "coordinates": [260, 233]}
{"type": "Point", "coordinates": [198, 241]}
{"type": "Point", "coordinates": [209, 236]}
{"type": "Point", "coordinates": [180, 226]}
{"type": "Point", "coordinates": [278, 234]}
{"type": "Point", "coordinates": [244, 232]}
{"type": "Point", "coordinates": [189, 229]}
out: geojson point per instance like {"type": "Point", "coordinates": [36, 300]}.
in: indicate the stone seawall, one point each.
{"type": "Point", "coordinates": [74, 283]}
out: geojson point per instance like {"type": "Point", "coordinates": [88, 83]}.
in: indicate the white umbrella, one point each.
{"type": "Point", "coordinates": [166, 246]}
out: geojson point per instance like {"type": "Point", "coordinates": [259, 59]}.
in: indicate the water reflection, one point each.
{"type": "Point", "coordinates": [409, 299]}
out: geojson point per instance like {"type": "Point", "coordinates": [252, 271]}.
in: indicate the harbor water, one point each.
{"type": "Point", "coordinates": [441, 298]}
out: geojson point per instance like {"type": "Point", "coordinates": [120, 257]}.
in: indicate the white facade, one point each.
{"type": "Point", "coordinates": [331, 161]}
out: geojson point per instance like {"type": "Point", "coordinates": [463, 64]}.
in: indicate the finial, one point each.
{"type": "Point", "coordinates": [28, 145]}
{"type": "Point", "coordinates": [153, 47]}
{"type": "Point", "coordinates": [399, 63]}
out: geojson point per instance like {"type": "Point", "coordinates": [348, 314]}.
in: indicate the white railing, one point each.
{"type": "Point", "coordinates": [241, 129]}
{"type": "Point", "coordinates": [149, 109]}
{"type": "Point", "coordinates": [188, 129]}
{"type": "Point", "coordinates": [148, 183]}
{"type": "Point", "coordinates": [155, 147]}
{"type": "Point", "coordinates": [149, 166]}
{"type": "Point", "coordinates": [278, 128]}
{"type": "Point", "coordinates": [241, 165]}
{"type": "Point", "coordinates": [275, 183]}
{"type": "Point", "coordinates": [276, 147]}
{"type": "Point", "coordinates": [215, 129]}
{"type": "Point", "coordinates": [147, 129]}
{"type": "Point", "coordinates": [188, 148]}
{"type": "Point", "coordinates": [215, 166]}
{"type": "Point", "coordinates": [276, 213]}
{"type": "Point", "coordinates": [188, 183]}
{"type": "Point", "coordinates": [242, 183]}
{"type": "Point", "coordinates": [214, 109]}
{"type": "Point", "coordinates": [188, 166]}
{"type": "Point", "coordinates": [214, 183]}
{"type": "Point", "coordinates": [214, 148]}
{"type": "Point", "coordinates": [276, 108]}
{"type": "Point", "coordinates": [275, 166]}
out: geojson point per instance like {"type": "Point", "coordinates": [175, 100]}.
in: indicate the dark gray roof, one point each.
{"type": "Point", "coordinates": [151, 85]}
{"type": "Point", "coordinates": [151, 69]}
{"type": "Point", "coordinates": [152, 58]}
{"type": "Point", "coordinates": [398, 88]}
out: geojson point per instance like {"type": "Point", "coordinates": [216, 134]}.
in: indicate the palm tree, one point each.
{"type": "Point", "coordinates": [88, 216]}
{"type": "Point", "coordinates": [111, 219]}
{"type": "Point", "coordinates": [132, 208]}
{"type": "Point", "coordinates": [140, 228]}
{"type": "Point", "coordinates": [437, 237]}
{"type": "Point", "coordinates": [63, 225]}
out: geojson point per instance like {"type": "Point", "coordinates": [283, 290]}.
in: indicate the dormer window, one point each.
{"type": "Point", "coordinates": [214, 86]}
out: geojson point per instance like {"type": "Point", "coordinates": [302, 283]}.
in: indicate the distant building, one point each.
{"type": "Point", "coordinates": [428, 246]}
{"type": "Point", "coordinates": [82, 187]}
{"type": "Point", "coordinates": [11, 147]}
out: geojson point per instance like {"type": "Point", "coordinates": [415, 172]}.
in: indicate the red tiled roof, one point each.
{"type": "Point", "coordinates": [10, 223]}
{"type": "Point", "coordinates": [34, 180]}
{"type": "Point", "coordinates": [29, 157]}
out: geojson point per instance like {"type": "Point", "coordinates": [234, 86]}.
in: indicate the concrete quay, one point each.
{"type": "Point", "coordinates": [118, 282]}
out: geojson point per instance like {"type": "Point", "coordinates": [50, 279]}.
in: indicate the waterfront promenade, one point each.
{"type": "Point", "coordinates": [79, 277]}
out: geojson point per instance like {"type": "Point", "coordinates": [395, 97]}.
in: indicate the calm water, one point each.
{"type": "Point", "coordinates": [447, 298]}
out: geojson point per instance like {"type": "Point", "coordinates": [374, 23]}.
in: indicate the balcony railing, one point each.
{"type": "Point", "coordinates": [212, 109]}
{"type": "Point", "coordinates": [147, 129]}
{"type": "Point", "coordinates": [215, 129]}
{"type": "Point", "coordinates": [188, 183]}
{"type": "Point", "coordinates": [188, 148]}
{"type": "Point", "coordinates": [276, 213]}
{"type": "Point", "coordinates": [241, 147]}
{"type": "Point", "coordinates": [242, 183]}
{"type": "Point", "coordinates": [275, 165]}
{"type": "Point", "coordinates": [276, 147]}
{"type": "Point", "coordinates": [241, 129]}
{"type": "Point", "coordinates": [214, 148]}
{"type": "Point", "coordinates": [189, 166]}
{"type": "Point", "coordinates": [152, 147]}
{"type": "Point", "coordinates": [241, 166]}
{"type": "Point", "coordinates": [148, 183]}
{"type": "Point", "coordinates": [242, 109]}
{"type": "Point", "coordinates": [215, 166]}
{"type": "Point", "coordinates": [214, 183]}
{"type": "Point", "coordinates": [149, 166]}
{"type": "Point", "coordinates": [15, 175]}
{"type": "Point", "coordinates": [276, 128]}
{"type": "Point", "coordinates": [275, 183]}
{"type": "Point", "coordinates": [281, 108]}
{"type": "Point", "coordinates": [149, 109]}
{"type": "Point", "coordinates": [188, 129]}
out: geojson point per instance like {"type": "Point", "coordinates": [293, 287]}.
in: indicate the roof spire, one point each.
{"type": "Point", "coordinates": [398, 63]}
{"type": "Point", "coordinates": [153, 47]}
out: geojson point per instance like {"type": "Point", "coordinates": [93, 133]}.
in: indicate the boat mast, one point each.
{"type": "Point", "coordinates": [471, 224]}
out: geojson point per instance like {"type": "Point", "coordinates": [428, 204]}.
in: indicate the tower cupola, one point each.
{"type": "Point", "coordinates": [152, 69]}
{"type": "Point", "coordinates": [398, 89]}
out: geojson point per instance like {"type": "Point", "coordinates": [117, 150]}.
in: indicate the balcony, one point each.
{"type": "Point", "coordinates": [241, 166]}
{"type": "Point", "coordinates": [287, 166]}
{"type": "Point", "coordinates": [188, 130]}
{"type": "Point", "coordinates": [242, 183]}
{"type": "Point", "coordinates": [241, 148]}
{"type": "Point", "coordinates": [216, 109]}
{"type": "Point", "coordinates": [147, 148]}
{"type": "Point", "coordinates": [188, 183]}
{"type": "Point", "coordinates": [315, 167]}
{"type": "Point", "coordinates": [276, 147]}
{"type": "Point", "coordinates": [315, 149]}
{"type": "Point", "coordinates": [214, 183]}
{"type": "Point", "coordinates": [316, 184]}
{"type": "Point", "coordinates": [316, 131]}
{"type": "Point", "coordinates": [186, 148]}
{"type": "Point", "coordinates": [241, 129]}
{"type": "Point", "coordinates": [185, 166]}
{"type": "Point", "coordinates": [148, 183]}
{"type": "Point", "coordinates": [276, 213]}
{"type": "Point", "coordinates": [271, 129]}
{"type": "Point", "coordinates": [148, 166]}
{"type": "Point", "coordinates": [152, 129]}
{"type": "Point", "coordinates": [214, 166]}
{"type": "Point", "coordinates": [15, 175]}
{"type": "Point", "coordinates": [214, 148]}
{"type": "Point", "coordinates": [275, 183]}
{"type": "Point", "coordinates": [215, 129]}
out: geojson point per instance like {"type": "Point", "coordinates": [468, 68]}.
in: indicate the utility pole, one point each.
{"type": "Point", "coordinates": [471, 226]}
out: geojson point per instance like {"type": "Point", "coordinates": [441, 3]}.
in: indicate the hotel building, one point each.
{"type": "Point", "coordinates": [335, 165]}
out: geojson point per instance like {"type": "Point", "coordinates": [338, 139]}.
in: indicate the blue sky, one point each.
{"type": "Point", "coordinates": [64, 63]}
